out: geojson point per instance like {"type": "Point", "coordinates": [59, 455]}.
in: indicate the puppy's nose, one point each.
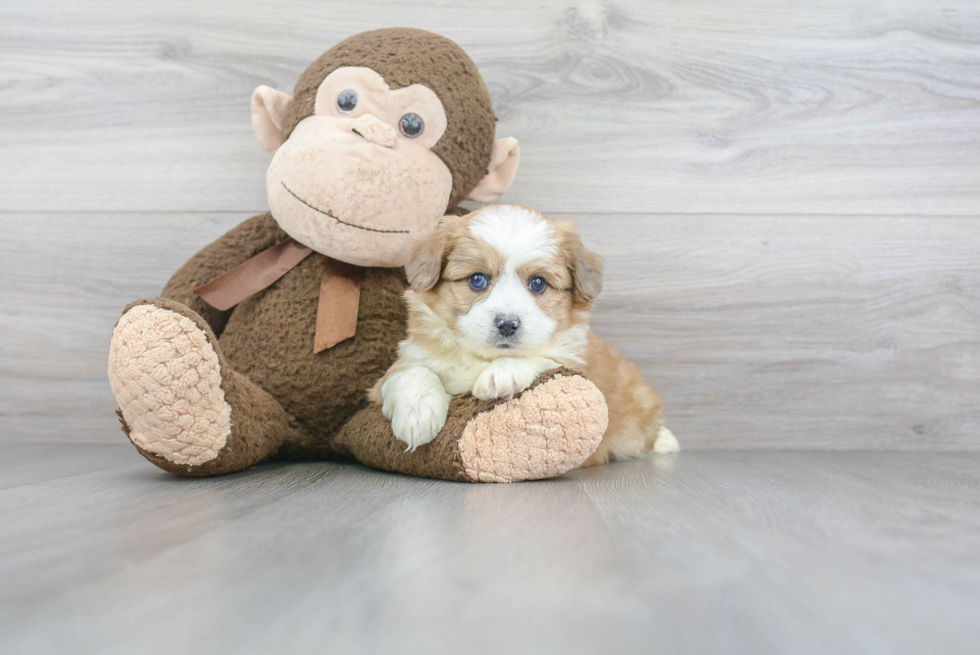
{"type": "Point", "coordinates": [507, 325]}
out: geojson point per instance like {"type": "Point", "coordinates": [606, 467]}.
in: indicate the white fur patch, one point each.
{"type": "Point", "coordinates": [518, 234]}
{"type": "Point", "coordinates": [416, 403]}
{"type": "Point", "coordinates": [509, 296]}
{"type": "Point", "coordinates": [666, 442]}
{"type": "Point", "coordinates": [508, 376]}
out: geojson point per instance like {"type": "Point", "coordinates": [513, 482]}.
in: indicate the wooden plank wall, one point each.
{"type": "Point", "coordinates": [787, 194]}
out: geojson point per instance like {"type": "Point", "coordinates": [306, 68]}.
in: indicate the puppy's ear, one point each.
{"type": "Point", "coordinates": [428, 255]}
{"type": "Point", "coordinates": [586, 266]}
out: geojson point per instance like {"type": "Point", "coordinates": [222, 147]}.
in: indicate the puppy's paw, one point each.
{"type": "Point", "coordinates": [417, 404]}
{"type": "Point", "coordinates": [504, 378]}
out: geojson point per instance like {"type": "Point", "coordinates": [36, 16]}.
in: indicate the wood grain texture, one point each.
{"type": "Point", "coordinates": [65, 279]}
{"type": "Point", "coordinates": [786, 332]}
{"type": "Point", "coordinates": [849, 106]}
{"type": "Point", "coordinates": [702, 552]}
{"type": "Point", "coordinates": [843, 332]}
{"type": "Point", "coordinates": [786, 195]}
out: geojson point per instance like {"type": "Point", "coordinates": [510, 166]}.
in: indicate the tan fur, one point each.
{"type": "Point", "coordinates": [586, 265]}
{"type": "Point", "coordinates": [441, 295]}
{"type": "Point", "coordinates": [635, 409]}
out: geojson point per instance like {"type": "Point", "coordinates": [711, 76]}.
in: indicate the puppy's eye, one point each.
{"type": "Point", "coordinates": [346, 101]}
{"type": "Point", "coordinates": [411, 125]}
{"type": "Point", "coordinates": [537, 284]}
{"type": "Point", "coordinates": [478, 282]}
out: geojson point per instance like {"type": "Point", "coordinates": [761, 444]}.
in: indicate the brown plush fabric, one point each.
{"type": "Point", "coordinates": [269, 339]}
{"type": "Point", "coordinates": [405, 56]}
{"type": "Point", "coordinates": [260, 425]}
{"type": "Point", "coordinates": [368, 438]}
{"type": "Point", "coordinates": [233, 248]}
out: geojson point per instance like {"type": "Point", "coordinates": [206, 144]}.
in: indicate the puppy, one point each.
{"type": "Point", "coordinates": [498, 297]}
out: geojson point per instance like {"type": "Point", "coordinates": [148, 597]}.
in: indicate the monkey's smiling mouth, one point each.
{"type": "Point", "coordinates": [320, 211]}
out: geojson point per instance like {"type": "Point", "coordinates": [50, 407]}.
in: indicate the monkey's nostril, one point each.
{"type": "Point", "coordinates": [507, 325]}
{"type": "Point", "coordinates": [374, 130]}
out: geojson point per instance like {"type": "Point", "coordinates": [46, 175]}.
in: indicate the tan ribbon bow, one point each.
{"type": "Point", "coordinates": [340, 289]}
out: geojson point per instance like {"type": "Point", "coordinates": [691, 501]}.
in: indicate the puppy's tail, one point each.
{"type": "Point", "coordinates": [666, 442]}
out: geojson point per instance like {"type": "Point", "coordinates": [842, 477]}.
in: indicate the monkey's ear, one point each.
{"type": "Point", "coordinates": [425, 263]}
{"type": "Point", "coordinates": [500, 174]}
{"type": "Point", "coordinates": [268, 113]}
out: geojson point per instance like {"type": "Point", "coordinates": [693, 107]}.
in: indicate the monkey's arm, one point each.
{"type": "Point", "coordinates": [236, 246]}
{"type": "Point", "coordinates": [550, 428]}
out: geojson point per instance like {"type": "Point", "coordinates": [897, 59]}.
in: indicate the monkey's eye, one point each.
{"type": "Point", "coordinates": [537, 284]}
{"type": "Point", "coordinates": [346, 101]}
{"type": "Point", "coordinates": [411, 125]}
{"type": "Point", "coordinates": [478, 282]}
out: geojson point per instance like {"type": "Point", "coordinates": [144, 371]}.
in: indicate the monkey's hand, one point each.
{"type": "Point", "coordinates": [417, 403]}
{"type": "Point", "coordinates": [507, 376]}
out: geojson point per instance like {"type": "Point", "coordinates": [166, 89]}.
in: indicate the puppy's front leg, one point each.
{"type": "Point", "coordinates": [507, 376]}
{"type": "Point", "coordinates": [417, 403]}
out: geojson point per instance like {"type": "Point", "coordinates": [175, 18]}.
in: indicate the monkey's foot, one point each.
{"type": "Point", "coordinates": [166, 376]}
{"type": "Point", "coordinates": [550, 429]}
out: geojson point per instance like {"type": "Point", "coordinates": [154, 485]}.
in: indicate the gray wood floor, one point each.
{"type": "Point", "coordinates": [701, 552]}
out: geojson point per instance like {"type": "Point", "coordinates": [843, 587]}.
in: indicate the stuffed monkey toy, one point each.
{"type": "Point", "coordinates": [264, 345]}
